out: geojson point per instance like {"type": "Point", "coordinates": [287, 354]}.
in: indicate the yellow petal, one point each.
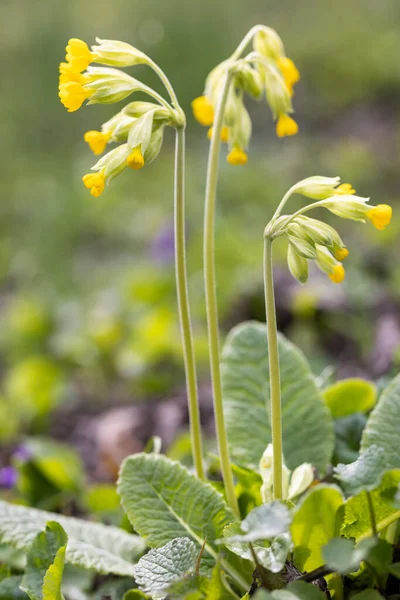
{"type": "Point", "coordinates": [286, 126]}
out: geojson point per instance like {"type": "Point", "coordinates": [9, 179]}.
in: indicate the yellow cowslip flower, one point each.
{"type": "Point", "coordinates": [286, 126]}
{"type": "Point", "coordinates": [380, 216]}
{"type": "Point", "coordinates": [338, 274]}
{"type": "Point", "coordinates": [97, 140]}
{"type": "Point", "coordinates": [341, 253]}
{"type": "Point", "coordinates": [203, 111]}
{"type": "Point", "coordinates": [94, 182]}
{"type": "Point", "coordinates": [237, 156]}
{"type": "Point", "coordinates": [73, 95]}
{"type": "Point", "coordinates": [67, 74]}
{"type": "Point", "coordinates": [345, 189]}
{"type": "Point", "coordinates": [224, 134]}
{"type": "Point", "coordinates": [290, 72]}
{"type": "Point", "coordinates": [78, 55]}
{"type": "Point", "coordinates": [135, 159]}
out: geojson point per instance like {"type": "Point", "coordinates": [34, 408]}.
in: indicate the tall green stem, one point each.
{"type": "Point", "coordinates": [183, 303]}
{"type": "Point", "coordinates": [274, 375]}
{"type": "Point", "coordinates": [211, 296]}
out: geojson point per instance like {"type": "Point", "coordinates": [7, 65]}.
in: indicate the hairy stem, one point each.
{"type": "Point", "coordinates": [211, 296]}
{"type": "Point", "coordinates": [183, 304]}
{"type": "Point", "coordinates": [274, 374]}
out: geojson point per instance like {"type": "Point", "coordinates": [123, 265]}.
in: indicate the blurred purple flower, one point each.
{"type": "Point", "coordinates": [162, 247]}
{"type": "Point", "coordinates": [22, 453]}
{"type": "Point", "coordinates": [8, 477]}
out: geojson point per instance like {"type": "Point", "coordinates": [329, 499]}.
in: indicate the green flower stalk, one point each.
{"type": "Point", "coordinates": [264, 71]}
{"type": "Point", "coordinates": [308, 239]}
{"type": "Point", "coordinates": [139, 129]}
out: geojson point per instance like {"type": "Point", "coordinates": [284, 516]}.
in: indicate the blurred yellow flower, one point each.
{"type": "Point", "coordinates": [78, 55]}
{"type": "Point", "coordinates": [341, 253]}
{"type": "Point", "coordinates": [94, 182]}
{"type": "Point", "coordinates": [237, 156]}
{"type": "Point", "coordinates": [135, 159]}
{"type": "Point", "coordinates": [73, 95]}
{"type": "Point", "coordinates": [345, 189]}
{"type": "Point", "coordinates": [203, 111]}
{"type": "Point", "coordinates": [224, 134]}
{"type": "Point", "coordinates": [290, 72]}
{"type": "Point", "coordinates": [286, 126]}
{"type": "Point", "coordinates": [67, 74]}
{"type": "Point", "coordinates": [338, 274]}
{"type": "Point", "coordinates": [380, 216]}
{"type": "Point", "coordinates": [97, 140]}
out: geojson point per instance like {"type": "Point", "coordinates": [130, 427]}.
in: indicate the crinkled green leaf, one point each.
{"type": "Point", "coordinates": [263, 523]}
{"type": "Point", "coordinates": [164, 501]}
{"type": "Point", "coordinates": [307, 423]}
{"type": "Point", "coordinates": [45, 564]}
{"type": "Point", "coordinates": [383, 425]}
{"type": "Point", "coordinates": [349, 396]}
{"type": "Point", "coordinates": [356, 521]}
{"type": "Point", "coordinates": [365, 473]}
{"type": "Point", "coordinates": [315, 522]}
{"type": "Point", "coordinates": [270, 554]}
{"type": "Point", "coordinates": [135, 595]}
{"type": "Point", "coordinates": [342, 556]}
{"type": "Point", "coordinates": [91, 545]}
{"type": "Point", "coordinates": [159, 568]}
{"type": "Point", "coordinates": [367, 595]}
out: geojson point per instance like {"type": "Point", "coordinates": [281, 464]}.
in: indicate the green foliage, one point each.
{"type": "Point", "coordinates": [161, 567]}
{"type": "Point", "coordinates": [384, 423]}
{"type": "Point", "coordinates": [348, 432]}
{"type": "Point", "coordinates": [164, 501]}
{"type": "Point", "coordinates": [365, 473]}
{"type": "Point", "coordinates": [10, 589]}
{"type": "Point", "coordinates": [90, 545]}
{"type": "Point", "coordinates": [316, 521]}
{"type": "Point", "coordinates": [356, 522]}
{"type": "Point", "coordinates": [45, 564]}
{"type": "Point", "coordinates": [263, 523]}
{"type": "Point", "coordinates": [349, 396]}
{"type": "Point", "coordinates": [342, 556]}
{"type": "Point", "coordinates": [307, 426]}
{"type": "Point", "coordinates": [298, 590]}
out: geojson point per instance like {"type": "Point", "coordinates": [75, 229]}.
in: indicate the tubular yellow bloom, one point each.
{"type": "Point", "coordinates": [78, 55]}
{"type": "Point", "coordinates": [345, 189]}
{"type": "Point", "coordinates": [289, 71]}
{"type": "Point", "coordinates": [94, 182]}
{"type": "Point", "coordinates": [73, 95]}
{"type": "Point", "coordinates": [237, 156]}
{"type": "Point", "coordinates": [341, 253]}
{"type": "Point", "coordinates": [97, 140]}
{"type": "Point", "coordinates": [286, 126]}
{"type": "Point", "coordinates": [135, 160]}
{"type": "Point", "coordinates": [380, 216]}
{"type": "Point", "coordinates": [203, 111]}
{"type": "Point", "coordinates": [67, 74]}
{"type": "Point", "coordinates": [338, 274]}
{"type": "Point", "coordinates": [224, 134]}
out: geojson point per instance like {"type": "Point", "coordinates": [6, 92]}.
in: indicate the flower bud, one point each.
{"type": "Point", "coordinates": [240, 125]}
{"type": "Point", "coordinates": [268, 43]}
{"type": "Point", "coordinates": [301, 479]}
{"type": "Point", "coordinates": [139, 108]}
{"type": "Point", "coordinates": [203, 111]}
{"type": "Point", "coordinates": [302, 246]}
{"type": "Point", "coordinates": [154, 147]}
{"type": "Point", "coordinates": [117, 54]}
{"type": "Point", "coordinates": [266, 468]}
{"type": "Point", "coordinates": [317, 187]}
{"type": "Point", "coordinates": [318, 232]}
{"type": "Point", "coordinates": [107, 85]}
{"type": "Point", "coordinates": [249, 80]}
{"type": "Point", "coordinates": [278, 96]}
{"type": "Point", "coordinates": [298, 265]}
{"type": "Point", "coordinates": [329, 265]}
{"type": "Point", "coordinates": [113, 163]}
{"type": "Point", "coordinates": [348, 207]}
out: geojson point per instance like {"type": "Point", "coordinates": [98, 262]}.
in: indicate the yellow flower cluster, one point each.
{"type": "Point", "coordinates": [266, 69]}
{"type": "Point", "coordinates": [311, 239]}
{"type": "Point", "coordinates": [71, 89]}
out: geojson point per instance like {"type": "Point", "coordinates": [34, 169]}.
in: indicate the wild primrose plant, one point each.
{"type": "Point", "coordinates": [298, 515]}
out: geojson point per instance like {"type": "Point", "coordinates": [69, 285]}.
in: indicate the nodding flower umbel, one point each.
{"type": "Point", "coordinates": [264, 71]}
{"type": "Point", "coordinates": [139, 125]}
{"type": "Point", "coordinates": [311, 239]}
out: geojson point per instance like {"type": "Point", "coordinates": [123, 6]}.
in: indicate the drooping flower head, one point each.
{"type": "Point", "coordinates": [264, 71]}
{"type": "Point", "coordinates": [138, 127]}
{"type": "Point", "coordinates": [311, 239]}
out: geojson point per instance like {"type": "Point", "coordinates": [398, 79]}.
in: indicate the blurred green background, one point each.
{"type": "Point", "coordinates": [88, 301]}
